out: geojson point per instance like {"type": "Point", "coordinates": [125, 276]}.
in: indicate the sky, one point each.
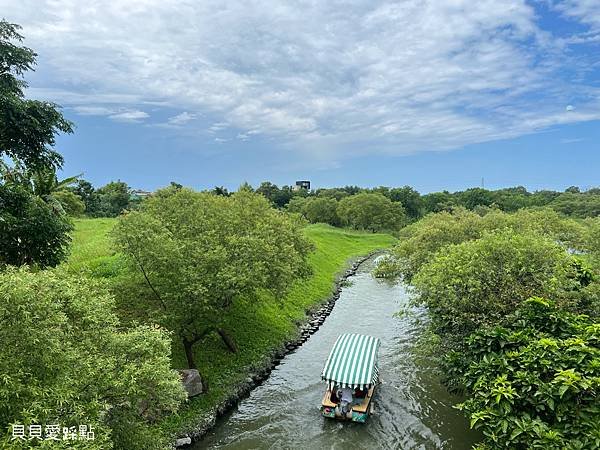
{"type": "Point", "coordinates": [439, 94]}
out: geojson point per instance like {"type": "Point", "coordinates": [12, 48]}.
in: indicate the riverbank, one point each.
{"type": "Point", "coordinates": [261, 329]}
{"type": "Point", "coordinates": [412, 407]}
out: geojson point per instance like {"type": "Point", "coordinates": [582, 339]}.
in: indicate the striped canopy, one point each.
{"type": "Point", "coordinates": [352, 361]}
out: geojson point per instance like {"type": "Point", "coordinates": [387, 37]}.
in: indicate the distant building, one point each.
{"type": "Point", "coordinates": [138, 194]}
{"type": "Point", "coordinates": [305, 184]}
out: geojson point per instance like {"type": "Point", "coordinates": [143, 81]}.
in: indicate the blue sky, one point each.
{"type": "Point", "coordinates": [435, 94]}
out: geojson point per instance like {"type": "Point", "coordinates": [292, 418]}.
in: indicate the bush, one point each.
{"type": "Point", "coordinates": [65, 360]}
{"type": "Point", "coordinates": [420, 241]}
{"type": "Point", "coordinates": [31, 231]}
{"type": "Point", "coordinates": [534, 381]}
{"type": "Point", "coordinates": [71, 203]}
{"type": "Point", "coordinates": [477, 283]}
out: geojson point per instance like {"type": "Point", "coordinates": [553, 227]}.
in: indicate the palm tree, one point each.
{"type": "Point", "coordinates": [44, 182]}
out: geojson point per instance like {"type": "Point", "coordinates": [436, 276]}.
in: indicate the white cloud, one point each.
{"type": "Point", "coordinates": [129, 116]}
{"type": "Point", "coordinates": [118, 114]}
{"type": "Point", "coordinates": [181, 119]}
{"type": "Point", "coordinates": [570, 108]}
{"type": "Point", "coordinates": [328, 77]}
{"type": "Point", "coordinates": [93, 110]}
{"type": "Point", "coordinates": [586, 11]}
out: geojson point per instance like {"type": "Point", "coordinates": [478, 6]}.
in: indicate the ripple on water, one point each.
{"type": "Point", "coordinates": [412, 408]}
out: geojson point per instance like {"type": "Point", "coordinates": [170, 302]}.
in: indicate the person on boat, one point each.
{"type": "Point", "coordinates": [360, 393]}
{"type": "Point", "coordinates": [346, 395]}
{"type": "Point", "coordinates": [335, 394]}
{"type": "Point", "coordinates": [346, 400]}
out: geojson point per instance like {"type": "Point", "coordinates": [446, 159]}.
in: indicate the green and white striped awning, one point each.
{"type": "Point", "coordinates": [352, 361]}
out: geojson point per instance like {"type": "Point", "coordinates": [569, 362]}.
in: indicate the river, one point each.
{"type": "Point", "coordinates": [412, 408]}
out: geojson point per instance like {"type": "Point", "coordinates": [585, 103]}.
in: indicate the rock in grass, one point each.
{"type": "Point", "coordinates": [192, 383]}
{"type": "Point", "coordinates": [183, 441]}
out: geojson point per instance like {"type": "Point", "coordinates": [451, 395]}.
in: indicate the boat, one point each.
{"type": "Point", "coordinates": [352, 378]}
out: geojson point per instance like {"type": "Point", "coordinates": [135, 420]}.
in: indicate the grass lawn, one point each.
{"type": "Point", "coordinates": [258, 327]}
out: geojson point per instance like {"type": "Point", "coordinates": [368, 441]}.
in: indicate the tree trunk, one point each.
{"type": "Point", "coordinates": [189, 353]}
{"type": "Point", "coordinates": [228, 340]}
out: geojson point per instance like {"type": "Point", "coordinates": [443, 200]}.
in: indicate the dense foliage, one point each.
{"type": "Point", "coordinates": [27, 127]}
{"type": "Point", "coordinates": [530, 367]}
{"type": "Point", "coordinates": [31, 230]}
{"type": "Point", "coordinates": [422, 240]}
{"type": "Point", "coordinates": [65, 360]}
{"type": "Point", "coordinates": [372, 212]}
{"type": "Point", "coordinates": [198, 253]}
{"type": "Point", "coordinates": [477, 283]}
{"type": "Point", "coordinates": [535, 380]}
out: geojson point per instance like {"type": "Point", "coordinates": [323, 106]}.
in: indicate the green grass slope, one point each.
{"type": "Point", "coordinates": [258, 327]}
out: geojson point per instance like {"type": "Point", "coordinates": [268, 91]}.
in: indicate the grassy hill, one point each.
{"type": "Point", "coordinates": [257, 326]}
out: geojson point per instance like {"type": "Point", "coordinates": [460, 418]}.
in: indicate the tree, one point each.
{"type": "Point", "coordinates": [475, 197]}
{"type": "Point", "coordinates": [88, 195]}
{"type": "Point", "coordinates": [373, 212]}
{"type": "Point", "coordinates": [477, 283]}
{"type": "Point", "coordinates": [45, 183]}
{"type": "Point", "coordinates": [335, 193]}
{"type": "Point", "coordinates": [114, 198]}
{"type": "Point", "coordinates": [70, 203]}
{"type": "Point", "coordinates": [321, 210]}
{"type": "Point", "coordinates": [573, 190]}
{"type": "Point", "coordinates": [268, 189]}
{"type": "Point", "coordinates": [410, 199]}
{"type": "Point", "coordinates": [438, 201]}
{"type": "Point", "coordinates": [31, 231]}
{"type": "Point", "coordinates": [297, 205]}
{"type": "Point", "coordinates": [422, 240]}
{"type": "Point", "coordinates": [217, 190]}
{"type": "Point", "coordinates": [27, 127]}
{"type": "Point", "coordinates": [577, 205]}
{"type": "Point", "coordinates": [199, 253]}
{"type": "Point", "coordinates": [65, 359]}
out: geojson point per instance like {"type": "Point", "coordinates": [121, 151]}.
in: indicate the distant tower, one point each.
{"type": "Point", "coordinates": [302, 185]}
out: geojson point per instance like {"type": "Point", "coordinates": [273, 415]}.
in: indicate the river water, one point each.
{"type": "Point", "coordinates": [412, 408]}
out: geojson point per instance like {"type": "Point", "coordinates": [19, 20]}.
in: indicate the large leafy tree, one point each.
{"type": "Point", "coordinates": [373, 212]}
{"type": "Point", "coordinates": [477, 283]}
{"type": "Point", "coordinates": [322, 210]}
{"type": "Point", "coordinates": [113, 199]}
{"type": "Point", "coordinates": [410, 199]}
{"type": "Point", "coordinates": [66, 360]}
{"type": "Point", "coordinates": [198, 253]}
{"type": "Point", "coordinates": [27, 127]}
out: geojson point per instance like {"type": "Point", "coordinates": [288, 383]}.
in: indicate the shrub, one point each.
{"type": "Point", "coordinates": [65, 360]}
{"type": "Point", "coordinates": [31, 231]}
{"type": "Point", "coordinates": [477, 283]}
{"type": "Point", "coordinates": [534, 381]}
